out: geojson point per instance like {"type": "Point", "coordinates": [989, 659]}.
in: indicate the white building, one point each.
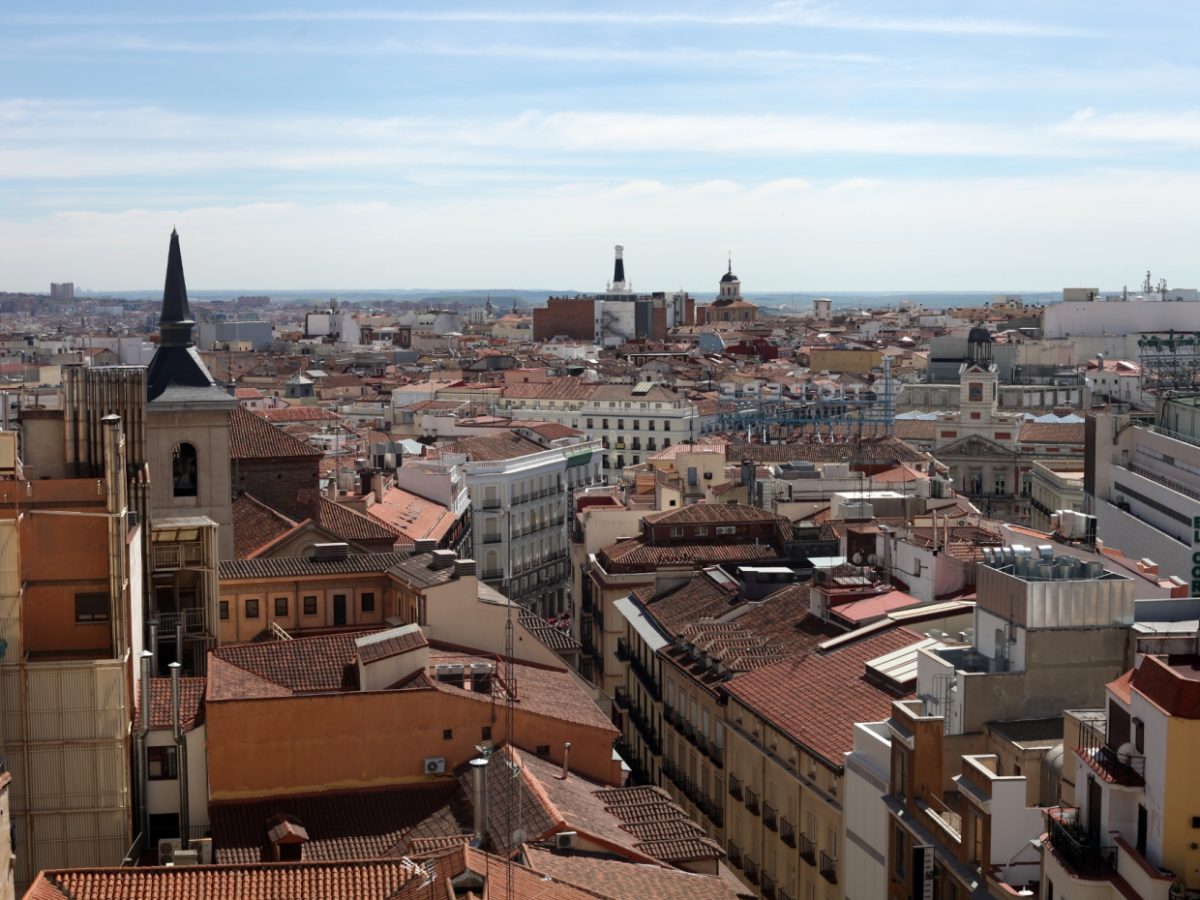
{"type": "Point", "coordinates": [865, 841]}
{"type": "Point", "coordinates": [520, 483]}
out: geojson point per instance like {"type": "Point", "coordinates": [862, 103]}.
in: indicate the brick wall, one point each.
{"type": "Point", "coordinates": [288, 485]}
{"type": "Point", "coordinates": [574, 318]}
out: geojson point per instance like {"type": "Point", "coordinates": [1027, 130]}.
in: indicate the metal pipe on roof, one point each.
{"type": "Point", "coordinates": [479, 784]}
{"type": "Point", "coordinates": [180, 758]}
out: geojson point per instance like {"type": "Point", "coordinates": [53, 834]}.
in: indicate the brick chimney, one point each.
{"type": "Point", "coordinates": [464, 567]}
{"type": "Point", "coordinates": [442, 559]}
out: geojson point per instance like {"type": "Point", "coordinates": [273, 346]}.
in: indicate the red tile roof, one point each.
{"type": "Point", "coordinates": [252, 437]}
{"type": "Point", "coordinates": [1051, 433]}
{"type": "Point", "coordinates": [634, 555]}
{"type": "Point", "coordinates": [308, 665]}
{"type": "Point", "coordinates": [345, 825]}
{"type": "Point", "coordinates": [351, 525]}
{"type": "Point", "coordinates": [255, 525]}
{"type": "Point", "coordinates": [708, 513]}
{"type": "Point", "coordinates": [836, 693]}
{"type": "Point", "coordinates": [411, 516]}
{"type": "Point", "coordinates": [191, 695]}
{"type": "Point", "coordinates": [487, 448]}
{"type": "Point", "coordinates": [299, 414]}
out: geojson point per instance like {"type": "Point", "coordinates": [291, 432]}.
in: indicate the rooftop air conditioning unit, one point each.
{"type": "Point", "coordinates": [166, 850]}
{"type": "Point", "coordinates": [435, 765]}
{"type": "Point", "coordinates": [566, 840]}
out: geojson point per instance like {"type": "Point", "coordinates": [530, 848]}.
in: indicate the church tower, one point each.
{"type": "Point", "coordinates": [187, 420]}
{"type": "Point", "coordinates": [978, 379]}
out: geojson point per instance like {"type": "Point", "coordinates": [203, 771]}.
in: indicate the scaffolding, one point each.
{"type": "Point", "coordinates": [819, 411]}
{"type": "Point", "coordinates": [1170, 362]}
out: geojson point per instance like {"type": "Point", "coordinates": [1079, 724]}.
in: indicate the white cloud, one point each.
{"type": "Point", "coordinates": [781, 14]}
{"type": "Point", "coordinates": [1002, 234]}
{"type": "Point", "coordinates": [1139, 126]}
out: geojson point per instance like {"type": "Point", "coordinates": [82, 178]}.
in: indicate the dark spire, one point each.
{"type": "Point", "coordinates": [619, 267]}
{"type": "Point", "coordinates": [175, 323]}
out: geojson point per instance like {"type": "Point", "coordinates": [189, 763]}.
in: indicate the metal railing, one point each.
{"type": "Point", "coordinates": [192, 619]}
{"type": "Point", "coordinates": [622, 650]}
{"type": "Point", "coordinates": [735, 787]}
{"type": "Point", "coordinates": [752, 801]}
{"type": "Point", "coordinates": [787, 832]}
{"type": "Point", "coordinates": [621, 698]}
{"type": "Point", "coordinates": [828, 868]}
{"type": "Point", "coordinates": [769, 816]}
{"type": "Point", "coordinates": [1078, 850]}
{"type": "Point", "coordinates": [1123, 768]}
{"type": "Point", "coordinates": [646, 677]}
{"type": "Point", "coordinates": [808, 850]}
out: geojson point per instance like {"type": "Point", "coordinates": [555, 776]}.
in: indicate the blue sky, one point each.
{"type": "Point", "coordinates": [828, 145]}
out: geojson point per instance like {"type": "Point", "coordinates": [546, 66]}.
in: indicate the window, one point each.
{"type": "Point", "coordinates": [368, 603]}
{"type": "Point", "coordinates": [667, 425]}
{"type": "Point", "coordinates": [183, 470]}
{"type": "Point", "coordinates": [310, 606]}
{"type": "Point", "coordinates": [224, 610]}
{"type": "Point", "coordinates": [620, 424]}
{"type": "Point", "coordinates": [447, 734]}
{"type": "Point", "coordinates": [589, 421]}
{"type": "Point", "coordinates": [160, 764]}
{"type": "Point", "coordinates": [604, 424]}
{"type": "Point", "coordinates": [91, 607]}
{"type": "Point", "coordinates": [251, 609]}
{"type": "Point", "coordinates": [543, 750]}
{"type": "Point", "coordinates": [900, 853]}
{"type": "Point", "coordinates": [486, 733]}
{"type": "Point", "coordinates": [281, 607]}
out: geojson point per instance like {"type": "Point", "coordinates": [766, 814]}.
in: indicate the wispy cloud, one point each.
{"type": "Point", "coordinates": [1052, 228]}
{"type": "Point", "coordinates": [783, 14]}
{"type": "Point", "coordinates": [55, 140]}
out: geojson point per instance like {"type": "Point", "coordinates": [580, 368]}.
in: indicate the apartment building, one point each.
{"type": "Point", "coordinates": [630, 421]}
{"type": "Point", "coordinates": [668, 547]}
{"type": "Point", "coordinates": [1142, 482]}
{"type": "Point", "coordinates": [1053, 486]}
{"type": "Point", "coordinates": [70, 626]}
{"type": "Point", "coordinates": [976, 839]}
{"type": "Point", "coordinates": [788, 726]}
{"type": "Point", "coordinates": [520, 483]}
{"type": "Point", "coordinates": [1131, 829]}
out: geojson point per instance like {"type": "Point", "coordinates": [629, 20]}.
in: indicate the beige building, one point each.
{"type": "Point", "coordinates": [1053, 486]}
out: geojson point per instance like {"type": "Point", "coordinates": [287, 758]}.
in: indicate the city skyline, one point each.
{"type": "Point", "coordinates": [830, 147]}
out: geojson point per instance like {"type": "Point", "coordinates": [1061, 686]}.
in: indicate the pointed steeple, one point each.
{"type": "Point", "coordinates": [175, 323]}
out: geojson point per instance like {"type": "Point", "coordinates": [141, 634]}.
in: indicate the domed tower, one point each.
{"type": "Point", "coordinates": [731, 288]}
{"type": "Point", "coordinates": [979, 346]}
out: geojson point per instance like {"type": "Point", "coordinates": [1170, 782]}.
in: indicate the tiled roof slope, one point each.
{"type": "Point", "coordinates": [255, 525]}
{"type": "Point", "coordinates": [376, 880]}
{"type": "Point", "coordinates": [343, 825]}
{"type": "Point", "coordinates": [307, 665]}
{"type": "Point", "coordinates": [627, 881]}
{"type": "Point", "coordinates": [191, 695]}
{"type": "Point", "coordinates": [704, 513]}
{"type": "Point", "coordinates": [491, 447]}
{"type": "Point", "coordinates": [299, 566]}
{"type": "Point", "coordinates": [816, 700]}
{"type": "Point", "coordinates": [253, 437]}
{"type": "Point", "coordinates": [635, 556]}
{"type": "Point", "coordinates": [351, 525]}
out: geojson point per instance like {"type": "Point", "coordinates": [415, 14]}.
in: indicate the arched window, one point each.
{"type": "Point", "coordinates": [183, 470]}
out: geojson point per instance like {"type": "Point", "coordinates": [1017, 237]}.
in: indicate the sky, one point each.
{"type": "Point", "coordinates": [834, 146]}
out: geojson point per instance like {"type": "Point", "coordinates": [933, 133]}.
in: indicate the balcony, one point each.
{"type": "Point", "coordinates": [1078, 851]}
{"type": "Point", "coordinates": [491, 504]}
{"type": "Point", "coordinates": [770, 818]}
{"type": "Point", "coordinates": [191, 618]}
{"type": "Point", "coordinates": [808, 850]}
{"type": "Point", "coordinates": [179, 555]}
{"type": "Point", "coordinates": [492, 574]}
{"type": "Point", "coordinates": [735, 787]}
{"type": "Point", "coordinates": [1122, 768]}
{"type": "Point", "coordinates": [735, 855]}
{"type": "Point", "coordinates": [752, 801]}
{"type": "Point", "coordinates": [646, 677]}
{"type": "Point", "coordinates": [828, 868]}
{"type": "Point", "coordinates": [787, 832]}
{"type": "Point", "coordinates": [622, 649]}
{"type": "Point", "coordinates": [717, 755]}
{"type": "Point", "coordinates": [689, 732]}
{"type": "Point", "coordinates": [768, 887]}
{"type": "Point", "coordinates": [621, 698]}
{"type": "Point", "coordinates": [750, 868]}
{"type": "Point", "coordinates": [492, 538]}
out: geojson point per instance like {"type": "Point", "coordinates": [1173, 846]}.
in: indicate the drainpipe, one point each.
{"type": "Point", "coordinates": [180, 759]}
{"type": "Point", "coordinates": [479, 784]}
{"type": "Point", "coordinates": [153, 645]}
{"type": "Point", "coordinates": [143, 760]}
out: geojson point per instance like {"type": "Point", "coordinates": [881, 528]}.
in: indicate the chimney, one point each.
{"type": "Point", "coordinates": [180, 758]}
{"type": "Point", "coordinates": [424, 545]}
{"type": "Point", "coordinates": [479, 785]}
{"type": "Point", "coordinates": [464, 567]}
{"type": "Point", "coordinates": [144, 781]}
{"type": "Point", "coordinates": [566, 761]}
{"type": "Point", "coordinates": [619, 268]}
{"type": "Point", "coordinates": [377, 486]}
{"type": "Point", "coordinates": [442, 559]}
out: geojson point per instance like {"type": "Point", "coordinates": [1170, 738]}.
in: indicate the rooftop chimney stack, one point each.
{"type": "Point", "coordinates": [566, 760]}
{"type": "Point", "coordinates": [618, 282]}
{"type": "Point", "coordinates": [479, 785]}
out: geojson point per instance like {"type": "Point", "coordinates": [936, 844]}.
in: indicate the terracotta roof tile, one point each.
{"type": "Point", "coordinates": [486, 448]}
{"type": "Point", "coordinates": [299, 414]}
{"type": "Point", "coordinates": [346, 825]}
{"type": "Point", "coordinates": [836, 693]}
{"type": "Point", "coordinates": [1051, 433]}
{"type": "Point", "coordinates": [191, 696]}
{"type": "Point", "coordinates": [255, 525]}
{"type": "Point", "coordinates": [253, 437]}
{"type": "Point", "coordinates": [411, 516]}
{"type": "Point", "coordinates": [293, 566]}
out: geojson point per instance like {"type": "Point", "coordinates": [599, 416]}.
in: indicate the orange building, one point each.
{"type": "Point", "coordinates": [382, 708]}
